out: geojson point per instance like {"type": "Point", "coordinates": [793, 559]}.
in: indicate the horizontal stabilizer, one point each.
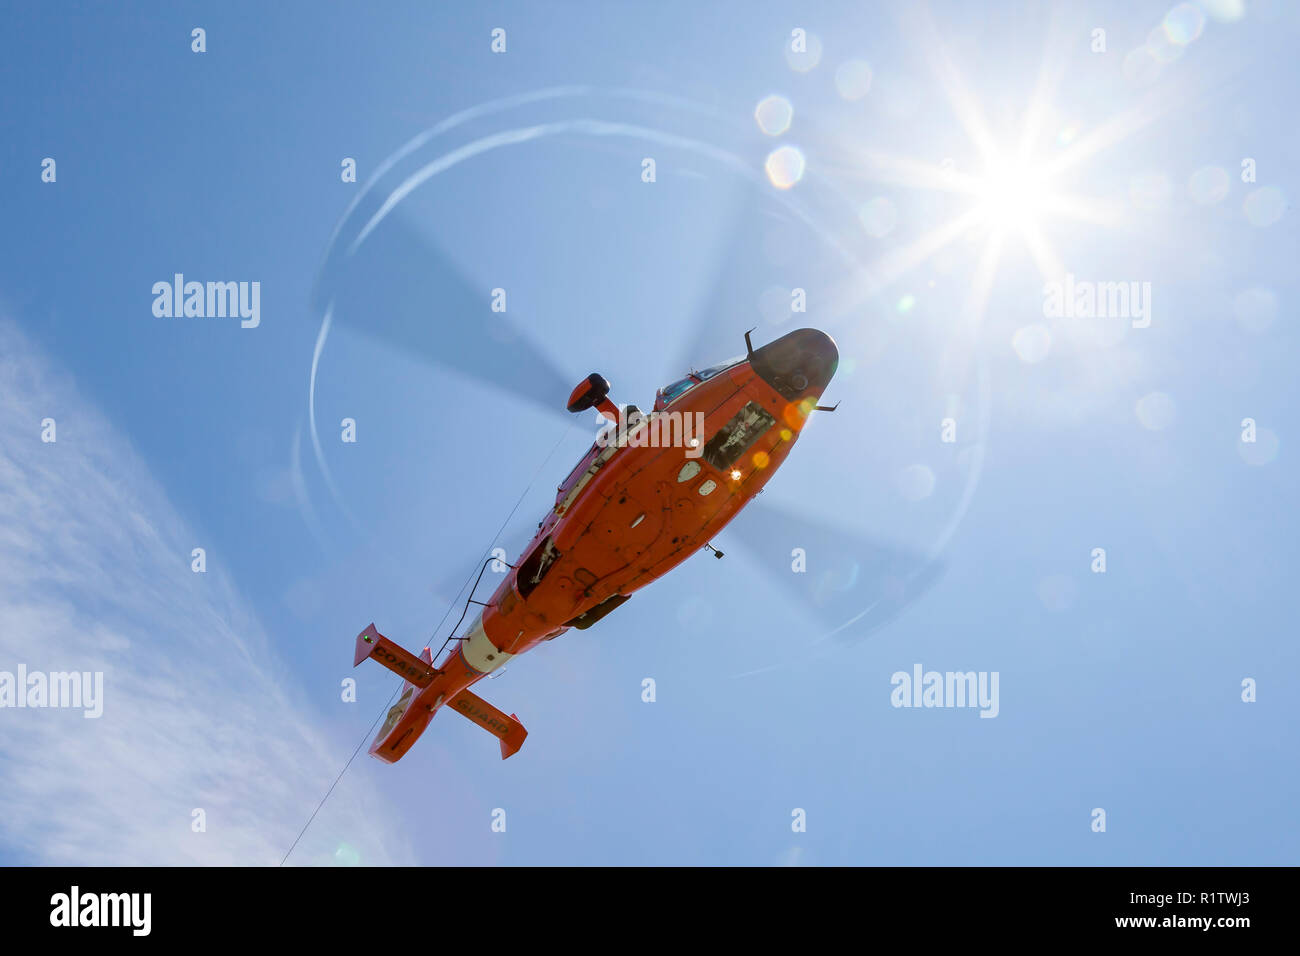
{"type": "Point", "coordinates": [372, 644]}
{"type": "Point", "coordinates": [508, 730]}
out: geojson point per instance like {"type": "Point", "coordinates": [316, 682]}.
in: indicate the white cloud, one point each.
{"type": "Point", "coordinates": [95, 576]}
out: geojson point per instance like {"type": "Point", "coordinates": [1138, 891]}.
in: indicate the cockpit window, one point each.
{"type": "Point", "coordinates": [677, 388]}
{"type": "Point", "coordinates": [680, 387]}
{"type": "Point", "coordinates": [713, 370]}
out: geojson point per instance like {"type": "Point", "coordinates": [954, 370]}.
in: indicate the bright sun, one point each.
{"type": "Point", "coordinates": [1019, 189]}
{"type": "Point", "coordinates": [1010, 195]}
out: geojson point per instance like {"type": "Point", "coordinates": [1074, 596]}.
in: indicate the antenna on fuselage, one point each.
{"type": "Point", "coordinates": [749, 346]}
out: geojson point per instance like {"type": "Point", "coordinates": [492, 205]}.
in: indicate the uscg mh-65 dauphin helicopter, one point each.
{"type": "Point", "coordinates": [628, 513]}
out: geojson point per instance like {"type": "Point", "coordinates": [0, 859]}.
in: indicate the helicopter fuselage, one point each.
{"type": "Point", "coordinates": [633, 508]}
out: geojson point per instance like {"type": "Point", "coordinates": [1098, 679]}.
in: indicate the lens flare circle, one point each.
{"type": "Point", "coordinates": [785, 166]}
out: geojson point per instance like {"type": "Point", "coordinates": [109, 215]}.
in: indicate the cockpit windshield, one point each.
{"type": "Point", "coordinates": [680, 387]}
{"type": "Point", "coordinates": [713, 370]}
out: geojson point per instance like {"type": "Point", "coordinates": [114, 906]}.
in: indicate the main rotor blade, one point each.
{"type": "Point", "coordinates": [742, 273]}
{"type": "Point", "coordinates": [852, 584]}
{"type": "Point", "coordinates": [400, 289]}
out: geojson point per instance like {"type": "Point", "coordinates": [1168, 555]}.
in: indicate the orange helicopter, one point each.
{"type": "Point", "coordinates": [652, 491]}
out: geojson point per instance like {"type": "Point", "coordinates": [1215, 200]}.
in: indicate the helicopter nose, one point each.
{"type": "Point", "coordinates": [797, 364]}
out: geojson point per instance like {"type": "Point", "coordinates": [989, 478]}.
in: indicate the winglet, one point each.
{"type": "Point", "coordinates": [512, 746]}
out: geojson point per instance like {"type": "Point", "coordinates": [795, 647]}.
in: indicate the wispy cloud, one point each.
{"type": "Point", "coordinates": [95, 576]}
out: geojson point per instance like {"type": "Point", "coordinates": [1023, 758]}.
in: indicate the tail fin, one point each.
{"type": "Point", "coordinates": [508, 730]}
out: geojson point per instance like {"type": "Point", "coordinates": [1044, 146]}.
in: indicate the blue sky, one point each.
{"type": "Point", "coordinates": [1119, 691]}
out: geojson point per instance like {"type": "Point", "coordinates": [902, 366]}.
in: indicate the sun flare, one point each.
{"type": "Point", "coordinates": [1011, 195]}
